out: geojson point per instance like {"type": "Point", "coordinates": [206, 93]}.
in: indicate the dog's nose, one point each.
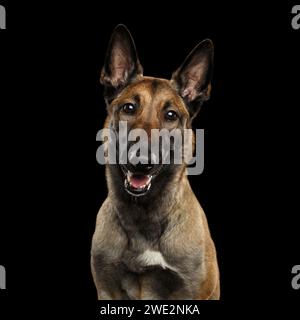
{"type": "Point", "coordinates": [141, 164]}
{"type": "Point", "coordinates": [145, 168]}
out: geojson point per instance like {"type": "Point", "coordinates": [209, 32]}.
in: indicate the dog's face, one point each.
{"type": "Point", "coordinates": [150, 103]}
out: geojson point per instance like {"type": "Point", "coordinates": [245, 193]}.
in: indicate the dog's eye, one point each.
{"type": "Point", "coordinates": [171, 115]}
{"type": "Point", "coordinates": [129, 108]}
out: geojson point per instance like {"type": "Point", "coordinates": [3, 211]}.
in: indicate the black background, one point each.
{"type": "Point", "coordinates": [51, 57]}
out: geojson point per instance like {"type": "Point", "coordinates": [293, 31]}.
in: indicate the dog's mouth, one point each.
{"type": "Point", "coordinates": [139, 183]}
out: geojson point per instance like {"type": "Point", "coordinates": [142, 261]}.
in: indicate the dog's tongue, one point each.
{"type": "Point", "coordinates": [138, 181]}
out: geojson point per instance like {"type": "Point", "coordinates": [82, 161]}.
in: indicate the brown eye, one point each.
{"type": "Point", "coordinates": [171, 115]}
{"type": "Point", "coordinates": [129, 108]}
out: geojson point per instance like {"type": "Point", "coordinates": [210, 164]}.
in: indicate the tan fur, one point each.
{"type": "Point", "coordinates": [148, 118]}
{"type": "Point", "coordinates": [187, 266]}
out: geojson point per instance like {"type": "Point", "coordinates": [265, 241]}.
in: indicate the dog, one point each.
{"type": "Point", "coordinates": [152, 240]}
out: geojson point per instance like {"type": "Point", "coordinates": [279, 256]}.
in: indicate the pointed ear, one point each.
{"type": "Point", "coordinates": [193, 78]}
{"type": "Point", "coordinates": [121, 62]}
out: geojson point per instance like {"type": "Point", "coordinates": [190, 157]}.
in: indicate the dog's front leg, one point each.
{"type": "Point", "coordinates": [107, 281]}
{"type": "Point", "coordinates": [162, 284]}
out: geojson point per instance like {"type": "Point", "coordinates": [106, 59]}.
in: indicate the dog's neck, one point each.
{"type": "Point", "coordinates": [147, 215]}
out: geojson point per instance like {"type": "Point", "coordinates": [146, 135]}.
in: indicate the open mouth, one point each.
{"type": "Point", "coordinates": [138, 180]}
{"type": "Point", "coordinates": [137, 184]}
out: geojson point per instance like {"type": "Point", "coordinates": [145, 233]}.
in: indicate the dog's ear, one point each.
{"type": "Point", "coordinates": [193, 78]}
{"type": "Point", "coordinates": [121, 62]}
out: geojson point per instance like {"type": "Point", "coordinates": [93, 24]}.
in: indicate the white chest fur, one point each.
{"type": "Point", "coordinates": [154, 258]}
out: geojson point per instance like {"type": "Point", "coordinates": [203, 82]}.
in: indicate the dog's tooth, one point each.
{"type": "Point", "coordinates": [129, 175]}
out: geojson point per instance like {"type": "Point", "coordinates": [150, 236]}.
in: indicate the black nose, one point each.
{"type": "Point", "coordinates": [142, 165]}
{"type": "Point", "coordinates": [144, 168]}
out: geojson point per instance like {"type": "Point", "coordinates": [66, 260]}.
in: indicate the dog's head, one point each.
{"type": "Point", "coordinates": [150, 103]}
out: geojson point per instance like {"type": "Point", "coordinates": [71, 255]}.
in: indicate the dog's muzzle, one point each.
{"type": "Point", "coordinates": [139, 175]}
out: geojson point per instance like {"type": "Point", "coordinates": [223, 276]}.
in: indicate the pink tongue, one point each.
{"type": "Point", "coordinates": [138, 181]}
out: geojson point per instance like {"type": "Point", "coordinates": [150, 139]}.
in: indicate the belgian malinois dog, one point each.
{"type": "Point", "coordinates": [152, 239]}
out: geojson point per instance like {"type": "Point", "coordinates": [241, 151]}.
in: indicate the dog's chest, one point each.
{"type": "Point", "coordinates": [140, 256]}
{"type": "Point", "coordinates": [152, 258]}
{"type": "Point", "coordinates": [150, 270]}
